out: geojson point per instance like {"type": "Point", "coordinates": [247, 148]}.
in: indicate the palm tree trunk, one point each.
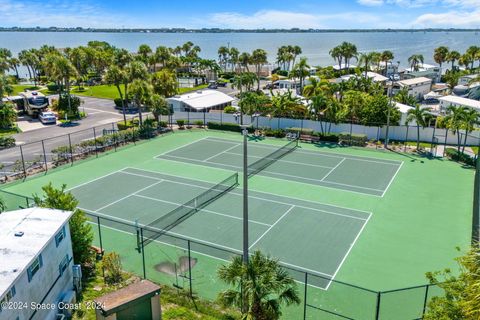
{"type": "Point", "coordinates": [418, 137]}
{"type": "Point", "coordinates": [123, 105]}
{"type": "Point", "coordinates": [465, 141]}
{"type": "Point", "coordinates": [459, 141]}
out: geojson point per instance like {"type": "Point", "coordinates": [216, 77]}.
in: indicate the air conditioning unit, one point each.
{"type": "Point", "coordinates": [77, 277]}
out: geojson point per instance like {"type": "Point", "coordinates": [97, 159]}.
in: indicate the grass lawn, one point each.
{"type": "Point", "coordinates": [101, 91]}
{"type": "Point", "coordinates": [185, 90]}
{"type": "Point", "coordinates": [422, 144]}
{"type": "Point", "coordinates": [9, 132]}
{"type": "Point", "coordinates": [17, 88]}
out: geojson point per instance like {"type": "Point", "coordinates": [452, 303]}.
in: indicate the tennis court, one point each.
{"type": "Point", "coordinates": [293, 230]}
{"type": "Point", "coordinates": [370, 176]}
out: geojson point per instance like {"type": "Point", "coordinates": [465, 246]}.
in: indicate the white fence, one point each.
{"type": "Point", "coordinates": [398, 133]}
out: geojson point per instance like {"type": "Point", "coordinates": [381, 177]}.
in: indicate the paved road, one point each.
{"type": "Point", "coordinates": [101, 115]}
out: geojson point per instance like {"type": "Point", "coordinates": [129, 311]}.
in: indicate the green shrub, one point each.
{"type": "Point", "coordinates": [7, 142]}
{"type": "Point", "coordinates": [181, 123]}
{"type": "Point", "coordinates": [162, 124]}
{"type": "Point", "coordinates": [300, 130]}
{"type": "Point", "coordinates": [225, 126]}
{"type": "Point", "coordinates": [118, 103]}
{"type": "Point", "coordinates": [53, 87]}
{"type": "Point", "coordinates": [328, 137]}
{"type": "Point", "coordinates": [359, 140]}
{"type": "Point", "coordinates": [277, 133]}
{"type": "Point", "coordinates": [229, 109]}
{"type": "Point", "coordinates": [113, 268]}
{"type": "Point", "coordinates": [198, 123]}
{"type": "Point", "coordinates": [460, 157]}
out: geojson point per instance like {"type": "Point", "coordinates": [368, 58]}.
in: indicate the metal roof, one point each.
{"type": "Point", "coordinates": [203, 99]}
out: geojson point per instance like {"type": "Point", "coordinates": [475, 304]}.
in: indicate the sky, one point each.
{"type": "Point", "coordinates": [250, 14]}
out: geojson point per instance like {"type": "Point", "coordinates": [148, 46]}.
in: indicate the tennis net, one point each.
{"type": "Point", "coordinates": [266, 161]}
{"type": "Point", "coordinates": [162, 225]}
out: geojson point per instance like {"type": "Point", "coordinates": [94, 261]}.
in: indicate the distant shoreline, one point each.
{"type": "Point", "coordinates": [217, 30]}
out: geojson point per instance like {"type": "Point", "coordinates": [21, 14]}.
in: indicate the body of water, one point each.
{"type": "Point", "coordinates": [315, 46]}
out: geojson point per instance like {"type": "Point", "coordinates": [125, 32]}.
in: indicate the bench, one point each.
{"type": "Point", "coordinates": [309, 138]}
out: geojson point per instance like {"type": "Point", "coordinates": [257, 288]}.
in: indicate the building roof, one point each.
{"type": "Point", "coordinates": [111, 302]}
{"type": "Point", "coordinates": [38, 225]}
{"type": "Point", "coordinates": [343, 66]}
{"type": "Point", "coordinates": [413, 81]}
{"type": "Point", "coordinates": [461, 101]}
{"type": "Point", "coordinates": [403, 107]}
{"type": "Point", "coordinates": [203, 99]}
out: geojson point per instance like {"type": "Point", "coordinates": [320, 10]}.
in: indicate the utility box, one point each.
{"type": "Point", "coordinates": [138, 301]}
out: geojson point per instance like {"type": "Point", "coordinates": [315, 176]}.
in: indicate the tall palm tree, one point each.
{"type": "Point", "coordinates": [455, 120]}
{"type": "Point", "coordinates": [296, 51]}
{"type": "Point", "coordinates": [158, 106]}
{"type": "Point", "coordinates": [367, 59]}
{"type": "Point", "coordinates": [452, 57]}
{"type": "Point", "coordinates": [336, 54]}
{"type": "Point", "coordinates": [117, 76]}
{"type": "Point", "coordinates": [349, 52]}
{"type": "Point", "coordinates": [419, 115]}
{"type": "Point", "coordinates": [223, 56]}
{"type": "Point", "coordinates": [245, 59]}
{"type": "Point", "coordinates": [415, 60]}
{"type": "Point", "coordinates": [386, 57]}
{"type": "Point", "coordinates": [470, 120]}
{"type": "Point", "coordinates": [234, 54]}
{"type": "Point", "coordinates": [259, 58]}
{"type": "Point", "coordinates": [440, 55]}
{"type": "Point", "coordinates": [301, 70]}
{"type": "Point", "coordinates": [144, 51]}
{"type": "Point", "coordinates": [141, 91]}
{"type": "Point", "coordinates": [261, 287]}
{"type": "Point", "coordinates": [474, 52]}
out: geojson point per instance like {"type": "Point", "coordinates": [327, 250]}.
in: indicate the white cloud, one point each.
{"type": "Point", "coordinates": [459, 19]}
{"type": "Point", "coordinates": [371, 3]}
{"type": "Point", "coordinates": [61, 13]}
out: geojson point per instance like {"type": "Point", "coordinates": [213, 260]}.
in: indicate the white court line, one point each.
{"type": "Point", "coordinates": [273, 225]}
{"type": "Point", "coordinates": [209, 211]}
{"type": "Point", "coordinates": [348, 251]}
{"type": "Point", "coordinates": [178, 148]}
{"type": "Point", "coordinates": [333, 169]}
{"type": "Point", "coordinates": [192, 161]}
{"type": "Point", "coordinates": [225, 151]}
{"type": "Point", "coordinates": [282, 160]}
{"type": "Point", "coordinates": [259, 198]}
{"type": "Point", "coordinates": [130, 195]}
{"type": "Point", "coordinates": [393, 178]}
{"type": "Point", "coordinates": [323, 153]}
{"type": "Point", "coordinates": [98, 178]}
{"type": "Point", "coordinates": [263, 192]}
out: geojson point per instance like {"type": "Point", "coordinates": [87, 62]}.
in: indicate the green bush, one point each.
{"type": "Point", "coordinates": [283, 73]}
{"type": "Point", "coordinates": [118, 103]}
{"type": "Point", "coordinates": [277, 133]}
{"type": "Point", "coordinates": [162, 124]}
{"type": "Point", "coordinates": [460, 157]}
{"type": "Point", "coordinates": [359, 140]}
{"type": "Point", "coordinates": [300, 130]}
{"type": "Point", "coordinates": [225, 126]}
{"type": "Point", "coordinates": [328, 137]}
{"type": "Point", "coordinates": [181, 123]}
{"type": "Point", "coordinates": [53, 87]}
{"type": "Point", "coordinates": [7, 142]}
{"type": "Point", "coordinates": [229, 109]}
{"type": "Point", "coordinates": [198, 123]}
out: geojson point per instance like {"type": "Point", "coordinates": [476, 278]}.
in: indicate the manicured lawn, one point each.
{"type": "Point", "coordinates": [8, 132]}
{"type": "Point", "coordinates": [185, 90]}
{"type": "Point", "coordinates": [101, 91]}
{"type": "Point", "coordinates": [17, 88]}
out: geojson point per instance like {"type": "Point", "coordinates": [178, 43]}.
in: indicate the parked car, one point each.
{"type": "Point", "coordinates": [212, 85]}
{"type": "Point", "coordinates": [47, 117]}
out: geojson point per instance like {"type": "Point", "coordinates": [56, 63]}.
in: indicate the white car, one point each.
{"type": "Point", "coordinates": [47, 117]}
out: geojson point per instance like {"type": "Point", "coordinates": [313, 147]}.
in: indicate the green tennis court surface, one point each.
{"type": "Point", "coordinates": [350, 173]}
{"type": "Point", "coordinates": [278, 225]}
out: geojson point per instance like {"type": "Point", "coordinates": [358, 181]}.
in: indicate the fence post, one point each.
{"type": "Point", "coordinates": [377, 313]}
{"type": "Point", "coordinates": [143, 254]}
{"type": "Point", "coordinates": [204, 117]}
{"type": "Point", "coordinates": [425, 300]}
{"type": "Point", "coordinates": [445, 144]}
{"type": "Point", "coordinates": [44, 156]}
{"type": "Point", "coordinates": [23, 163]}
{"type": "Point", "coordinates": [351, 131]}
{"type": "Point", "coordinates": [99, 233]}
{"type": "Point", "coordinates": [406, 139]}
{"type": "Point", "coordinates": [305, 297]}
{"type": "Point", "coordinates": [221, 117]}
{"type": "Point", "coordinates": [188, 117]}
{"type": "Point", "coordinates": [71, 150]}
{"type": "Point", "coordinates": [95, 139]}
{"type": "Point", "coordinates": [190, 268]}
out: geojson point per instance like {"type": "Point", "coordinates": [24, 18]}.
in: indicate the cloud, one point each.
{"type": "Point", "coordinates": [371, 3]}
{"type": "Point", "coordinates": [60, 13]}
{"type": "Point", "coordinates": [459, 19]}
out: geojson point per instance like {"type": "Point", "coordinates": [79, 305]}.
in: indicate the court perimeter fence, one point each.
{"type": "Point", "coordinates": [191, 266]}
{"type": "Point", "coordinates": [398, 135]}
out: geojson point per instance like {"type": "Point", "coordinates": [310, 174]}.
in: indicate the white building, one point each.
{"type": "Point", "coordinates": [417, 87]}
{"type": "Point", "coordinates": [35, 263]}
{"type": "Point", "coordinates": [291, 84]}
{"type": "Point", "coordinates": [403, 108]}
{"type": "Point", "coordinates": [424, 70]}
{"type": "Point", "coordinates": [200, 101]}
{"type": "Point", "coordinates": [375, 77]}
{"type": "Point", "coordinates": [467, 79]}
{"type": "Point", "coordinates": [447, 101]}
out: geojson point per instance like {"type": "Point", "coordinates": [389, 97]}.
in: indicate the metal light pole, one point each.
{"type": "Point", "coordinates": [390, 94]}
{"type": "Point", "coordinates": [245, 195]}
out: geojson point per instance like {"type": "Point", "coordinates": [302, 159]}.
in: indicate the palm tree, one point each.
{"type": "Point", "coordinates": [301, 70]}
{"type": "Point", "coordinates": [452, 57]}
{"type": "Point", "coordinates": [144, 51]}
{"type": "Point", "coordinates": [470, 120]}
{"type": "Point", "coordinates": [404, 98]}
{"type": "Point", "coordinates": [455, 120]}
{"type": "Point", "coordinates": [165, 83]}
{"type": "Point", "coordinates": [117, 76]}
{"type": "Point", "coordinates": [386, 56]}
{"type": "Point", "coordinates": [259, 58]}
{"type": "Point", "coordinates": [234, 54]}
{"type": "Point", "coordinates": [158, 106]}
{"type": "Point", "coordinates": [141, 92]}
{"type": "Point", "coordinates": [367, 59]}
{"type": "Point", "coordinates": [245, 59]}
{"type": "Point", "coordinates": [261, 287]}
{"type": "Point", "coordinates": [163, 55]}
{"type": "Point", "coordinates": [349, 51]}
{"type": "Point", "coordinates": [474, 53]}
{"type": "Point", "coordinates": [336, 54]}
{"type": "Point", "coordinates": [5, 87]}
{"type": "Point", "coordinates": [296, 51]}
{"type": "Point", "coordinates": [415, 60]}
{"type": "Point", "coordinates": [440, 55]}
{"type": "Point", "coordinates": [419, 115]}
{"type": "Point", "coordinates": [223, 55]}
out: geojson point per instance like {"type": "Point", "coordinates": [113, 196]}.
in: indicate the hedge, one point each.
{"type": "Point", "coordinates": [359, 140]}
{"type": "Point", "coordinates": [7, 142]}
{"type": "Point", "coordinates": [460, 157]}
{"type": "Point", "coordinates": [225, 126]}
